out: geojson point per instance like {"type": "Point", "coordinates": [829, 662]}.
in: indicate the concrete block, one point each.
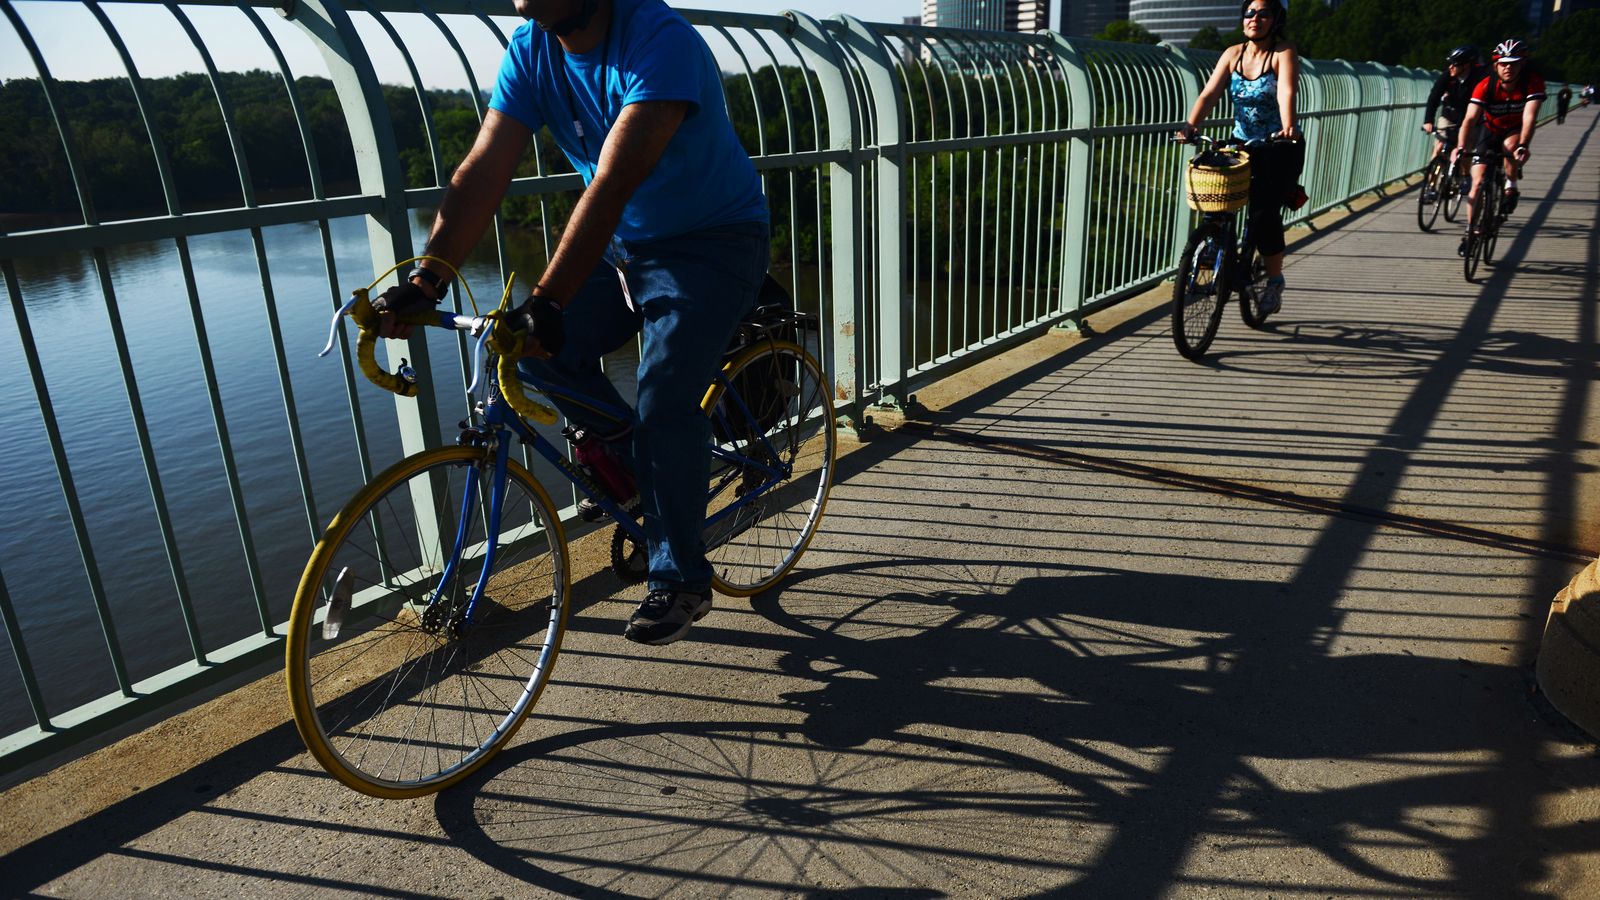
{"type": "Point", "coordinates": [1569, 656]}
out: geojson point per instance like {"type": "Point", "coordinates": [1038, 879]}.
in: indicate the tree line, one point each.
{"type": "Point", "coordinates": [1416, 34]}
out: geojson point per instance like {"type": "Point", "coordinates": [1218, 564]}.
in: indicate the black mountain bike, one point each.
{"type": "Point", "coordinates": [1217, 260]}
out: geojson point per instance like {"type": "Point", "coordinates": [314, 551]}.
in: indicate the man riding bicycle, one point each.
{"type": "Point", "coordinates": [1507, 105]}
{"type": "Point", "coordinates": [1447, 102]}
{"type": "Point", "coordinates": [669, 239]}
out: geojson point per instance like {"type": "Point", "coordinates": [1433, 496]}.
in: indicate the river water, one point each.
{"type": "Point", "coordinates": [40, 559]}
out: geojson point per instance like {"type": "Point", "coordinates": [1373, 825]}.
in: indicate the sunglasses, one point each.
{"type": "Point", "coordinates": [1257, 14]}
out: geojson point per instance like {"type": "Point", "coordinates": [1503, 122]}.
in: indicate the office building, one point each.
{"type": "Point", "coordinates": [1087, 18]}
{"type": "Point", "coordinates": [1178, 20]}
{"type": "Point", "coordinates": [1026, 16]}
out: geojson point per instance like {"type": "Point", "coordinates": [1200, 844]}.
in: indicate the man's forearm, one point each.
{"type": "Point", "coordinates": [475, 190]}
{"type": "Point", "coordinates": [630, 154]}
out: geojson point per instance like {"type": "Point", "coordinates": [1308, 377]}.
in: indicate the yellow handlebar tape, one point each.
{"type": "Point", "coordinates": [502, 340]}
{"type": "Point", "coordinates": [507, 344]}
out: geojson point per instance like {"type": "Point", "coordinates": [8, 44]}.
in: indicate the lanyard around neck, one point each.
{"type": "Point", "coordinates": [566, 84]}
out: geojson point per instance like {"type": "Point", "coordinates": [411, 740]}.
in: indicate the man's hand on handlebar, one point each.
{"type": "Point", "coordinates": [405, 297]}
{"type": "Point", "coordinates": [541, 318]}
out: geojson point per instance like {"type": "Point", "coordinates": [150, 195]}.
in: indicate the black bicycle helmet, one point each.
{"type": "Point", "coordinates": [1464, 55]}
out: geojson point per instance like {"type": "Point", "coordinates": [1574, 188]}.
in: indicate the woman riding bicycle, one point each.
{"type": "Point", "coordinates": [1506, 104]}
{"type": "Point", "coordinates": [1260, 79]}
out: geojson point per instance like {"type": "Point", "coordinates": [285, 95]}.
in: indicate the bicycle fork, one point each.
{"type": "Point", "coordinates": [439, 612]}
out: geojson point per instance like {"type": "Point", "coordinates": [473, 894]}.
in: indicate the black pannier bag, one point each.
{"type": "Point", "coordinates": [769, 386]}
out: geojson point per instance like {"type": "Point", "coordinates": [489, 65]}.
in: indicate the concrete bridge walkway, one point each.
{"type": "Point", "coordinates": [1094, 621]}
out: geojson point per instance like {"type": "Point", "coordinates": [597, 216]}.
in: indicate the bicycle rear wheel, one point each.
{"type": "Point", "coordinates": [1254, 269]}
{"type": "Point", "coordinates": [1458, 183]}
{"type": "Point", "coordinates": [772, 415]}
{"type": "Point", "coordinates": [1200, 290]}
{"type": "Point", "coordinates": [1430, 197]}
{"type": "Point", "coordinates": [398, 688]}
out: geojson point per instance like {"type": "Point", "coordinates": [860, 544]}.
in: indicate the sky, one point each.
{"type": "Point", "coordinates": [75, 48]}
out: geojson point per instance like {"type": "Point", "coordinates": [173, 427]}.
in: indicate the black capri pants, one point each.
{"type": "Point", "coordinates": [1274, 172]}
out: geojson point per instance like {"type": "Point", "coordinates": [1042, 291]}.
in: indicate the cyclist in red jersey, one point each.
{"type": "Point", "coordinates": [1507, 105]}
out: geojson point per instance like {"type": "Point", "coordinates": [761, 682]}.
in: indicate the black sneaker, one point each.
{"type": "Point", "coordinates": [1510, 205]}
{"type": "Point", "coordinates": [1461, 248]}
{"type": "Point", "coordinates": [666, 614]}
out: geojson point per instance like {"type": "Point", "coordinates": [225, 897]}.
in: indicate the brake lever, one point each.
{"type": "Point", "coordinates": [333, 328]}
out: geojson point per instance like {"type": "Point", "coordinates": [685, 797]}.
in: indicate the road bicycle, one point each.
{"type": "Point", "coordinates": [1217, 260]}
{"type": "Point", "coordinates": [1443, 186]}
{"type": "Point", "coordinates": [431, 613]}
{"type": "Point", "coordinates": [1488, 213]}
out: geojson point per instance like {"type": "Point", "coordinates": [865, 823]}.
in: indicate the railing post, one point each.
{"type": "Point", "coordinates": [845, 202]}
{"type": "Point", "coordinates": [378, 168]}
{"type": "Point", "coordinates": [1347, 155]}
{"type": "Point", "coordinates": [1192, 78]}
{"type": "Point", "coordinates": [389, 232]}
{"type": "Point", "coordinates": [889, 192]}
{"type": "Point", "coordinates": [1080, 157]}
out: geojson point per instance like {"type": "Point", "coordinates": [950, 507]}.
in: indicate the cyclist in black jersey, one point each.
{"type": "Point", "coordinates": [1447, 102]}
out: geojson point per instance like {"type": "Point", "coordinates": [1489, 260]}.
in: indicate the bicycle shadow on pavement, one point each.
{"type": "Point", "coordinates": [1019, 724]}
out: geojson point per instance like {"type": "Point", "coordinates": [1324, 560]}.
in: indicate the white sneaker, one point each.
{"type": "Point", "coordinates": [1271, 298]}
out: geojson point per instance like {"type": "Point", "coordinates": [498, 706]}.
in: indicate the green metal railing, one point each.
{"type": "Point", "coordinates": [936, 194]}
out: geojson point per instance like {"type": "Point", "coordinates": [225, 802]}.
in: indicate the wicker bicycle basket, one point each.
{"type": "Point", "coordinates": [1218, 181]}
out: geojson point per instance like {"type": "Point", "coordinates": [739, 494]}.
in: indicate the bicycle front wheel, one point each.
{"type": "Point", "coordinates": [1482, 208]}
{"type": "Point", "coordinates": [424, 630]}
{"type": "Point", "coordinates": [1431, 195]}
{"type": "Point", "coordinates": [1200, 290]}
{"type": "Point", "coordinates": [772, 466]}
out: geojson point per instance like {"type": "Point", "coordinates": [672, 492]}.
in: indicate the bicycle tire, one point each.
{"type": "Point", "coordinates": [1460, 184]}
{"type": "Point", "coordinates": [1200, 291]}
{"type": "Point", "coordinates": [753, 543]}
{"type": "Point", "coordinates": [1474, 252]}
{"type": "Point", "coordinates": [392, 695]}
{"type": "Point", "coordinates": [1428, 211]}
{"type": "Point", "coordinates": [1254, 269]}
{"type": "Point", "coordinates": [1492, 222]}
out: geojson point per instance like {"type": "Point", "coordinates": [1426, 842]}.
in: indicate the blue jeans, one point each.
{"type": "Point", "coordinates": [689, 293]}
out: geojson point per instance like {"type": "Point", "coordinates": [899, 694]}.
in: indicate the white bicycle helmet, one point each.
{"type": "Point", "coordinates": [1511, 50]}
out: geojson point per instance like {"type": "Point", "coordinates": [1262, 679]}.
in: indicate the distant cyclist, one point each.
{"type": "Point", "coordinates": [1447, 102]}
{"type": "Point", "coordinates": [1506, 104]}
{"type": "Point", "coordinates": [1260, 79]}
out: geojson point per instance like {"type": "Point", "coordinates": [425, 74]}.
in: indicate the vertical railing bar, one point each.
{"type": "Point", "coordinates": [19, 651]}
{"type": "Point", "coordinates": [230, 127]}
{"type": "Point", "coordinates": [208, 365]}
{"type": "Point", "coordinates": [462, 339]}
{"type": "Point", "coordinates": [69, 490]}
{"type": "Point", "coordinates": [147, 453]}
{"type": "Point", "coordinates": [69, 145]}
{"type": "Point", "coordinates": [297, 443]}
{"type": "Point", "coordinates": [169, 189]}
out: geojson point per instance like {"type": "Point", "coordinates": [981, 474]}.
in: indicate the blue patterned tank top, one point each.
{"type": "Point", "coordinates": [1255, 106]}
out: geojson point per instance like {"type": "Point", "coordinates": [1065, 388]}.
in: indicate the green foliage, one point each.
{"type": "Point", "coordinates": [1128, 33]}
{"type": "Point", "coordinates": [1409, 34]}
{"type": "Point", "coordinates": [1207, 38]}
{"type": "Point", "coordinates": [1570, 49]}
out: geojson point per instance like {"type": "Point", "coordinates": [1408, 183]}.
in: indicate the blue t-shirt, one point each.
{"type": "Point", "coordinates": [704, 179]}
